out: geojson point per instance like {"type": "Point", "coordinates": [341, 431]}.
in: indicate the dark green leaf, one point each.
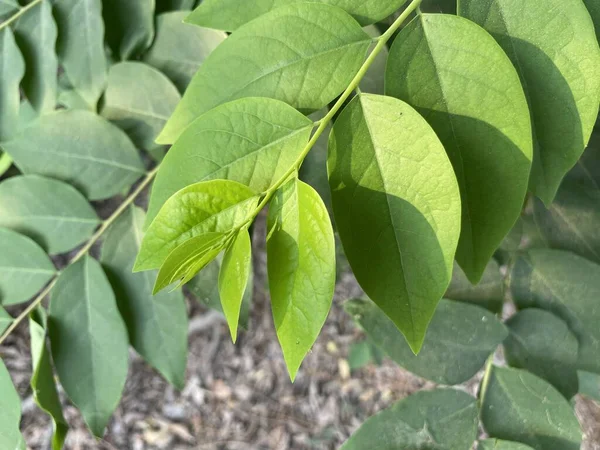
{"type": "Point", "coordinates": [374, 80]}
{"type": "Point", "coordinates": [458, 332]}
{"type": "Point", "coordinates": [50, 212]}
{"type": "Point", "coordinates": [167, 5]}
{"type": "Point", "coordinates": [521, 407]}
{"type": "Point", "coordinates": [8, 7]}
{"type": "Point", "coordinates": [129, 26]}
{"type": "Point", "coordinates": [5, 320]}
{"type": "Point", "coordinates": [253, 141]}
{"type": "Point", "coordinates": [458, 78]}
{"type": "Point", "coordinates": [488, 293]}
{"type": "Point", "coordinates": [301, 267]}
{"type": "Point", "coordinates": [89, 341]}
{"type": "Point", "coordinates": [12, 67]}
{"type": "Point", "coordinates": [304, 54]}
{"type": "Point", "coordinates": [179, 49]}
{"type": "Point", "coordinates": [543, 344]}
{"type": "Point", "coordinates": [553, 46]}
{"type": "Point", "coordinates": [157, 325]}
{"type": "Point", "coordinates": [24, 267]}
{"type": "Point", "coordinates": [589, 385]}
{"type": "Point", "coordinates": [399, 229]}
{"type": "Point", "coordinates": [497, 444]}
{"type": "Point", "coordinates": [436, 420]}
{"type": "Point", "coordinates": [80, 148]}
{"type": "Point", "coordinates": [10, 413]}
{"type": "Point", "coordinates": [594, 9]}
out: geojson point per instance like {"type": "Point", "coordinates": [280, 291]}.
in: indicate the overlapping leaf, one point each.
{"type": "Point", "coordinates": [589, 385]}
{"type": "Point", "coordinates": [10, 413]}
{"type": "Point", "coordinates": [129, 26]}
{"type": "Point", "coordinates": [489, 292]}
{"type": "Point", "coordinates": [12, 67]}
{"type": "Point", "coordinates": [497, 444]}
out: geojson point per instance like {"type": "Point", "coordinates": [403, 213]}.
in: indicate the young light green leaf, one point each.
{"type": "Point", "coordinates": [428, 420]}
{"type": "Point", "coordinates": [5, 320]}
{"type": "Point", "coordinates": [42, 379]}
{"type": "Point", "coordinates": [36, 35]}
{"type": "Point", "coordinates": [301, 268]}
{"type": "Point", "coordinates": [5, 162]}
{"type": "Point", "coordinates": [229, 15]}
{"type": "Point", "coordinates": [80, 148]}
{"type": "Point", "coordinates": [89, 341]}
{"type": "Point", "coordinates": [521, 407]}
{"type": "Point", "coordinates": [233, 277]}
{"type": "Point", "coordinates": [488, 293]}
{"type": "Point", "coordinates": [382, 159]}
{"type": "Point", "coordinates": [50, 212]}
{"type": "Point", "coordinates": [253, 141]}
{"type": "Point", "coordinates": [458, 332]}
{"type": "Point", "coordinates": [209, 206]}
{"type": "Point", "coordinates": [304, 54]}
{"type": "Point", "coordinates": [589, 385]}
{"type": "Point", "coordinates": [24, 267]}
{"type": "Point", "coordinates": [444, 66]}
{"type": "Point", "coordinates": [497, 444]}
{"type": "Point", "coordinates": [568, 286]}
{"type": "Point", "coordinates": [12, 67]}
{"type": "Point", "coordinates": [543, 344]}
{"type": "Point", "coordinates": [157, 325]}
{"type": "Point", "coordinates": [129, 26]}
{"type": "Point", "coordinates": [139, 100]}
{"type": "Point", "coordinates": [80, 46]}
{"type": "Point", "coordinates": [594, 9]}
{"type": "Point", "coordinates": [10, 413]}
{"type": "Point", "coordinates": [553, 46]}
{"type": "Point", "coordinates": [179, 49]}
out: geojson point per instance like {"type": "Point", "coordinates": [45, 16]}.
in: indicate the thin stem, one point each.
{"type": "Point", "coordinates": [19, 13]}
{"type": "Point", "coordinates": [97, 235]}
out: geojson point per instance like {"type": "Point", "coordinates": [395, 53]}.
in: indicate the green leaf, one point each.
{"type": "Point", "coordinates": [428, 420]}
{"type": "Point", "coordinates": [42, 379]}
{"type": "Point", "coordinates": [8, 7]}
{"type": "Point", "coordinates": [36, 35]}
{"type": "Point", "coordinates": [12, 67]}
{"type": "Point", "coordinates": [488, 293]}
{"type": "Point", "coordinates": [253, 141]}
{"type": "Point", "coordinates": [439, 6]}
{"type": "Point", "coordinates": [543, 344]}
{"type": "Point", "coordinates": [5, 162]}
{"type": "Point", "coordinates": [374, 80]}
{"type": "Point", "coordinates": [568, 286]}
{"type": "Point", "coordinates": [179, 49]}
{"type": "Point", "coordinates": [24, 267]}
{"type": "Point", "coordinates": [521, 407]}
{"type": "Point", "coordinates": [80, 148]}
{"type": "Point", "coordinates": [5, 320]}
{"type": "Point", "coordinates": [89, 341]}
{"type": "Point", "coordinates": [304, 54]}
{"type": "Point", "coordinates": [80, 46]}
{"type": "Point", "coordinates": [497, 444]}
{"type": "Point", "coordinates": [157, 325]}
{"type": "Point", "coordinates": [210, 206]}
{"type": "Point", "coordinates": [553, 46]}
{"type": "Point", "coordinates": [10, 413]}
{"type": "Point", "coordinates": [129, 26]}
{"type": "Point", "coordinates": [589, 385]}
{"type": "Point", "coordinates": [167, 5]}
{"type": "Point", "coordinates": [594, 9]}
{"type": "Point", "coordinates": [50, 212]}
{"type": "Point", "coordinates": [458, 332]}
{"type": "Point", "coordinates": [399, 229]}
{"type": "Point", "coordinates": [233, 277]}
{"type": "Point", "coordinates": [139, 100]}
{"type": "Point", "coordinates": [229, 15]}
{"type": "Point", "coordinates": [461, 81]}
{"type": "Point", "coordinates": [301, 268]}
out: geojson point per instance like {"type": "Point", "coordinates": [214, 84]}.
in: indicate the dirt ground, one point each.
{"type": "Point", "coordinates": [240, 396]}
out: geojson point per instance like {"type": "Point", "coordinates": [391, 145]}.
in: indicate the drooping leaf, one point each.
{"type": "Point", "coordinates": [497, 444]}
{"type": "Point", "coordinates": [157, 325]}
{"type": "Point", "coordinates": [36, 35]}
{"type": "Point", "coordinates": [568, 286]}
{"type": "Point", "coordinates": [50, 212]}
{"type": "Point", "coordinates": [233, 277]}
{"type": "Point", "coordinates": [301, 268]}
{"type": "Point", "coordinates": [10, 413]}
{"type": "Point", "coordinates": [210, 206]}
{"type": "Point", "coordinates": [80, 148]}
{"type": "Point", "coordinates": [553, 46]}
{"type": "Point", "coordinates": [518, 406]}
{"type": "Point", "coordinates": [488, 293]}
{"type": "Point", "coordinates": [458, 78]}
{"type": "Point", "coordinates": [594, 9]}
{"type": "Point", "coordinates": [435, 420]}
{"type": "Point", "coordinates": [139, 100]}
{"type": "Point", "coordinates": [304, 54]}
{"type": "Point", "coordinates": [399, 229]}
{"type": "Point", "coordinates": [129, 26]}
{"type": "Point", "coordinates": [179, 48]}
{"type": "Point", "coordinates": [89, 341]}
{"type": "Point", "coordinates": [80, 46]}
{"type": "Point", "coordinates": [543, 344]}
{"type": "Point", "coordinates": [589, 385]}
{"type": "Point", "coordinates": [5, 320]}
{"type": "Point", "coordinates": [253, 141]}
{"type": "Point", "coordinates": [12, 67]}
{"type": "Point", "coordinates": [458, 332]}
{"type": "Point", "coordinates": [229, 15]}
{"type": "Point", "coordinates": [42, 379]}
{"type": "Point", "coordinates": [24, 267]}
